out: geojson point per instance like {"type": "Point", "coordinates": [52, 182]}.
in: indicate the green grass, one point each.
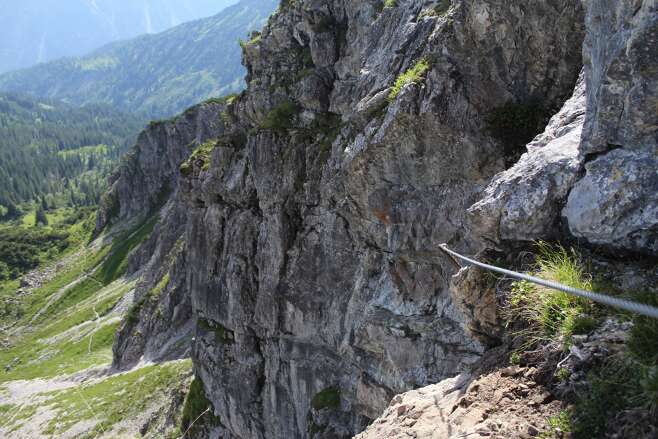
{"type": "Point", "coordinates": [613, 387]}
{"type": "Point", "coordinates": [196, 403]}
{"type": "Point", "coordinates": [627, 381]}
{"type": "Point", "coordinates": [33, 354]}
{"type": "Point", "coordinates": [40, 359]}
{"type": "Point", "coordinates": [117, 398]}
{"type": "Point", "coordinates": [558, 425]}
{"type": "Point", "coordinates": [414, 75]}
{"type": "Point", "coordinates": [552, 314]}
{"type": "Point", "coordinates": [116, 263]}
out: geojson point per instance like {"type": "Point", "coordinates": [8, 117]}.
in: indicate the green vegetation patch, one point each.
{"type": "Point", "coordinates": [549, 313]}
{"type": "Point", "coordinates": [329, 398]}
{"type": "Point", "coordinates": [117, 398]}
{"type": "Point", "coordinates": [24, 247]}
{"type": "Point", "coordinates": [116, 263]}
{"type": "Point", "coordinates": [617, 385]}
{"type": "Point", "coordinates": [197, 407]}
{"type": "Point", "coordinates": [281, 117]}
{"type": "Point", "coordinates": [223, 335]}
{"type": "Point", "coordinates": [77, 297]}
{"type": "Point", "coordinates": [414, 75]}
{"type": "Point", "coordinates": [200, 157]}
{"type": "Point", "coordinates": [41, 359]}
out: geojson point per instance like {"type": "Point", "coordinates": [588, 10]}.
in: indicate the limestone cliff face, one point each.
{"type": "Point", "coordinates": [312, 242]}
{"type": "Point", "coordinates": [592, 174]}
{"type": "Point", "coordinates": [309, 258]}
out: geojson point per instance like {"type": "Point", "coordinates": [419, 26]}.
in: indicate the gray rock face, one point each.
{"type": "Point", "coordinates": [621, 59]}
{"type": "Point", "coordinates": [305, 244]}
{"type": "Point", "coordinates": [524, 202]}
{"type": "Point", "coordinates": [312, 244]}
{"type": "Point", "coordinates": [148, 176]}
{"type": "Point", "coordinates": [614, 205]}
{"type": "Point", "coordinates": [594, 168]}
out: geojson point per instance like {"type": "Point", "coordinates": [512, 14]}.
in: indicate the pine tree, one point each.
{"type": "Point", "coordinates": [40, 217]}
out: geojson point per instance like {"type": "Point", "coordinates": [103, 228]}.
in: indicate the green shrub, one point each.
{"type": "Point", "coordinates": [329, 398]}
{"type": "Point", "coordinates": [200, 157]}
{"type": "Point", "coordinates": [390, 3]}
{"type": "Point", "coordinates": [415, 74]}
{"type": "Point", "coordinates": [558, 425]}
{"type": "Point", "coordinates": [223, 335]}
{"type": "Point", "coordinates": [280, 117]}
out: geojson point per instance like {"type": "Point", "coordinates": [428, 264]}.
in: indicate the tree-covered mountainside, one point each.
{"type": "Point", "coordinates": [55, 154]}
{"type": "Point", "coordinates": [34, 31]}
{"type": "Point", "coordinates": [157, 74]}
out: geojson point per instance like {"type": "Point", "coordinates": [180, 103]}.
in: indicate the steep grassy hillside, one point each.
{"type": "Point", "coordinates": [56, 334]}
{"type": "Point", "coordinates": [158, 74]}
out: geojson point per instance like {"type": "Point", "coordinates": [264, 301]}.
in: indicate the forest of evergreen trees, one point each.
{"type": "Point", "coordinates": [57, 155]}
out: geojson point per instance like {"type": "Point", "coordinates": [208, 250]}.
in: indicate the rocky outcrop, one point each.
{"type": "Point", "coordinates": [524, 203]}
{"type": "Point", "coordinates": [614, 205]}
{"type": "Point", "coordinates": [148, 176]}
{"type": "Point", "coordinates": [312, 248]}
{"type": "Point", "coordinates": [147, 185]}
{"type": "Point", "coordinates": [501, 405]}
{"type": "Point", "coordinates": [593, 171]}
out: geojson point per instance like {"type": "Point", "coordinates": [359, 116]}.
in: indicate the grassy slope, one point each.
{"type": "Point", "coordinates": [67, 326]}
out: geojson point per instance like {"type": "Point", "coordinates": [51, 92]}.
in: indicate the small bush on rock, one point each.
{"type": "Point", "coordinates": [416, 74]}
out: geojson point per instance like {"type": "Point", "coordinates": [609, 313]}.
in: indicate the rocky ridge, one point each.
{"type": "Point", "coordinates": [309, 259]}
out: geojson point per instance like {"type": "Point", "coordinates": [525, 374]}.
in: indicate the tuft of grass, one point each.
{"type": "Point", "coordinates": [553, 314]}
{"type": "Point", "coordinates": [558, 425]}
{"type": "Point", "coordinates": [328, 398]}
{"type": "Point", "coordinates": [390, 3]}
{"type": "Point", "coordinates": [414, 75]}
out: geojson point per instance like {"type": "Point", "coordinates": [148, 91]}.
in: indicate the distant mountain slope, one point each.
{"type": "Point", "coordinates": [157, 74]}
{"type": "Point", "coordinates": [58, 153]}
{"type": "Point", "coordinates": [34, 31]}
